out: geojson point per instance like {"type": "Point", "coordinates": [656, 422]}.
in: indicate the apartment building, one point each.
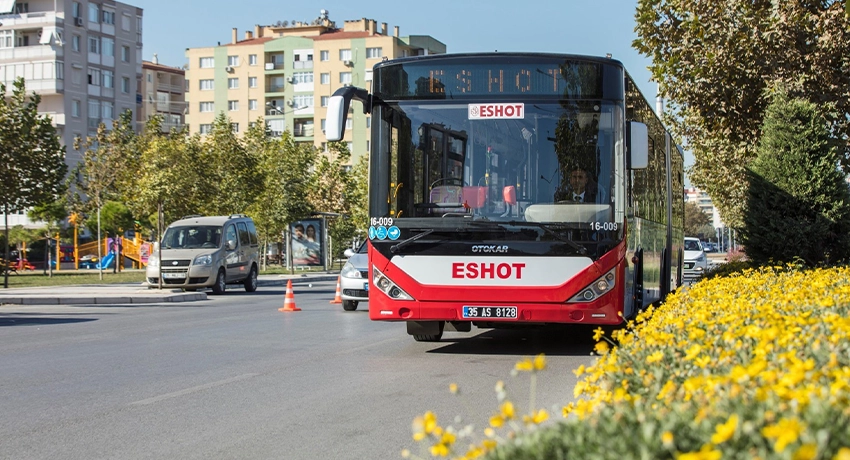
{"type": "Point", "coordinates": [703, 201]}
{"type": "Point", "coordinates": [163, 91]}
{"type": "Point", "coordinates": [83, 57]}
{"type": "Point", "coordinates": [285, 73]}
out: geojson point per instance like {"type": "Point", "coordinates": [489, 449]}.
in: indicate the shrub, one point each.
{"type": "Point", "coordinates": [755, 365]}
{"type": "Point", "coordinates": [798, 202]}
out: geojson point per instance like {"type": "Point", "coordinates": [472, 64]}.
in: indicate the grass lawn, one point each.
{"type": "Point", "coordinates": [71, 277]}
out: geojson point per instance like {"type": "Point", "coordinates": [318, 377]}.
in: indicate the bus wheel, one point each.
{"type": "Point", "coordinates": [349, 305]}
{"type": "Point", "coordinates": [426, 331]}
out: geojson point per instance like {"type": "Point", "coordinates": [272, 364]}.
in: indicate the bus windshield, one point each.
{"type": "Point", "coordinates": [550, 162]}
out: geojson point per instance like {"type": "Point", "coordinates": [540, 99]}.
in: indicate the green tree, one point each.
{"type": "Point", "coordinates": [695, 219]}
{"type": "Point", "coordinates": [32, 161]}
{"type": "Point", "coordinates": [284, 168]}
{"type": "Point", "coordinates": [714, 60]}
{"type": "Point", "coordinates": [231, 170]}
{"type": "Point", "coordinates": [171, 176]}
{"type": "Point", "coordinates": [328, 194]}
{"type": "Point", "coordinates": [358, 197]}
{"type": "Point", "coordinates": [799, 202]}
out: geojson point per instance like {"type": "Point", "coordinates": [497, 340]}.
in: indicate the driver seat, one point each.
{"type": "Point", "coordinates": [448, 198]}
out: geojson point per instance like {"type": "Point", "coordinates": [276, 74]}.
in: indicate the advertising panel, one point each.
{"type": "Point", "coordinates": [307, 248]}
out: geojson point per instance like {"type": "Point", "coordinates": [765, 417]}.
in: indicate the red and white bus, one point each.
{"type": "Point", "coordinates": [515, 189]}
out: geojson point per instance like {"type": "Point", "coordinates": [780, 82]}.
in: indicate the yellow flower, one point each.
{"type": "Point", "coordinates": [806, 452]}
{"type": "Point", "coordinates": [785, 432]}
{"type": "Point", "coordinates": [601, 347]}
{"type": "Point", "coordinates": [667, 439]}
{"type": "Point", "coordinates": [405, 453]}
{"type": "Point", "coordinates": [598, 333]}
{"type": "Point", "coordinates": [843, 454]}
{"type": "Point", "coordinates": [507, 410]}
{"type": "Point", "coordinates": [497, 421]}
{"type": "Point", "coordinates": [524, 366]}
{"type": "Point", "coordinates": [655, 357]}
{"type": "Point", "coordinates": [540, 362]}
{"type": "Point", "coordinates": [453, 388]}
{"type": "Point", "coordinates": [724, 431]}
{"type": "Point", "coordinates": [706, 453]}
{"type": "Point", "coordinates": [536, 418]}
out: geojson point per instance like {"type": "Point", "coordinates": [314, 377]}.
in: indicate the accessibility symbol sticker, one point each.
{"type": "Point", "coordinates": [381, 232]}
{"type": "Point", "coordinates": [372, 233]}
{"type": "Point", "coordinates": [393, 232]}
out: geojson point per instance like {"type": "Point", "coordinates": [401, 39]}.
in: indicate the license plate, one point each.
{"type": "Point", "coordinates": [490, 312]}
{"type": "Point", "coordinates": [174, 275]}
{"type": "Point", "coordinates": [366, 286]}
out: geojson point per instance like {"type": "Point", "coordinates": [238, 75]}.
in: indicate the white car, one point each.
{"type": "Point", "coordinates": [354, 278]}
{"type": "Point", "coordinates": [695, 260]}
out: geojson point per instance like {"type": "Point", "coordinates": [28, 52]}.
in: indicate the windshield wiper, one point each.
{"type": "Point", "coordinates": [397, 247]}
{"type": "Point", "coordinates": [579, 248]}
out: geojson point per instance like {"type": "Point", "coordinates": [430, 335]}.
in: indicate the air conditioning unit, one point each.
{"type": "Point", "coordinates": [347, 63]}
{"type": "Point", "coordinates": [269, 65]}
{"type": "Point", "coordinates": [290, 103]}
{"type": "Point", "coordinates": [78, 22]}
{"type": "Point", "coordinates": [290, 80]}
{"type": "Point", "coordinates": [228, 69]}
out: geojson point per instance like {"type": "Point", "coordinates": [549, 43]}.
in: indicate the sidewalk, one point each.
{"type": "Point", "coordinates": [136, 293]}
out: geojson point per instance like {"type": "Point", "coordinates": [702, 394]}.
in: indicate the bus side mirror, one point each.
{"type": "Point", "coordinates": [638, 145]}
{"type": "Point", "coordinates": [337, 113]}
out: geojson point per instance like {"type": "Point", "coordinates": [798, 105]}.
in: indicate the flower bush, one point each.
{"type": "Point", "coordinates": [752, 366]}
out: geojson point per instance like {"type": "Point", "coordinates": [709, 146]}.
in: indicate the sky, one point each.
{"type": "Point", "coordinates": [585, 27]}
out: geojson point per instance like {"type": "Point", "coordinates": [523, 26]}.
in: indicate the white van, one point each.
{"type": "Point", "coordinates": [213, 251]}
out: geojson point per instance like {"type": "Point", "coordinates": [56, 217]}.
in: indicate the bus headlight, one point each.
{"type": "Point", "coordinates": [388, 287]}
{"type": "Point", "coordinates": [602, 285]}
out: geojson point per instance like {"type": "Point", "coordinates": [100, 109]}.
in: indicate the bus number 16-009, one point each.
{"type": "Point", "coordinates": [607, 226]}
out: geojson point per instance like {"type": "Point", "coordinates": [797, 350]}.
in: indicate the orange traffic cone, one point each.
{"type": "Point", "coordinates": [289, 300]}
{"type": "Point", "coordinates": [338, 298]}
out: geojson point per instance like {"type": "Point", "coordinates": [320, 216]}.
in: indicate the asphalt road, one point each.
{"type": "Point", "coordinates": [233, 377]}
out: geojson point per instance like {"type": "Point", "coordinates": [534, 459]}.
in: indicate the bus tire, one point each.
{"type": "Point", "coordinates": [426, 331]}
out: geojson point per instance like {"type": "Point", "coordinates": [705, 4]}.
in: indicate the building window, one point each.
{"type": "Point", "coordinates": [206, 85]}
{"type": "Point", "coordinates": [94, 13]}
{"type": "Point", "coordinates": [75, 108]}
{"type": "Point", "coordinates": [233, 106]}
{"type": "Point", "coordinates": [252, 104]}
{"type": "Point", "coordinates": [75, 42]}
{"type": "Point", "coordinates": [75, 10]}
{"type": "Point", "coordinates": [94, 45]}
{"type": "Point", "coordinates": [125, 53]}
{"type": "Point", "coordinates": [206, 107]}
{"type": "Point", "coordinates": [373, 53]}
{"type": "Point", "coordinates": [205, 128]}
{"type": "Point", "coordinates": [303, 101]}
{"type": "Point", "coordinates": [207, 63]}
{"type": "Point", "coordinates": [125, 85]}
{"type": "Point", "coordinates": [324, 55]}
{"type": "Point", "coordinates": [345, 77]}
{"type": "Point", "coordinates": [302, 77]}
{"type": "Point", "coordinates": [108, 46]}
{"type": "Point", "coordinates": [368, 76]}
{"type": "Point", "coordinates": [350, 146]}
{"type": "Point", "coordinates": [252, 59]}
{"type": "Point", "coordinates": [325, 100]}
{"type": "Point", "coordinates": [325, 78]}
{"type": "Point", "coordinates": [368, 122]}
{"type": "Point", "coordinates": [348, 123]}
{"type": "Point", "coordinates": [94, 77]}
{"type": "Point", "coordinates": [125, 23]}
{"type": "Point", "coordinates": [233, 61]}
{"type": "Point", "coordinates": [234, 127]}
{"type": "Point", "coordinates": [109, 17]}
{"type": "Point", "coordinates": [108, 79]}
{"type": "Point", "coordinates": [345, 55]}
{"type": "Point", "coordinates": [322, 124]}
{"type": "Point", "coordinates": [252, 82]}
{"type": "Point", "coordinates": [108, 110]}
{"type": "Point", "coordinates": [232, 83]}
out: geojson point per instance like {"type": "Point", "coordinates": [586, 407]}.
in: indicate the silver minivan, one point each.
{"type": "Point", "coordinates": [206, 251]}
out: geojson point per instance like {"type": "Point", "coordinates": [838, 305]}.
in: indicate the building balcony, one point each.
{"type": "Point", "coordinates": [302, 65]}
{"type": "Point", "coordinates": [38, 18]}
{"type": "Point", "coordinates": [41, 87]}
{"type": "Point", "coordinates": [170, 88]}
{"type": "Point", "coordinates": [31, 53]}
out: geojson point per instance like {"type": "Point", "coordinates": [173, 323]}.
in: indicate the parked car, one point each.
{"type": "Point", "coordinates": [695, 260]}
{"type": "Point", "coordinates": [206, 252]}
{"type": "Point", "coordinates": [354, 282]}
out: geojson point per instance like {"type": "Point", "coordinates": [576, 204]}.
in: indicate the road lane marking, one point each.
{"type": "Point", "coordinates": [187, 391]}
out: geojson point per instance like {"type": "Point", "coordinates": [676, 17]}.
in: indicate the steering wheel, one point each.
{"type": "Point", "coordinates": [454, 180]}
